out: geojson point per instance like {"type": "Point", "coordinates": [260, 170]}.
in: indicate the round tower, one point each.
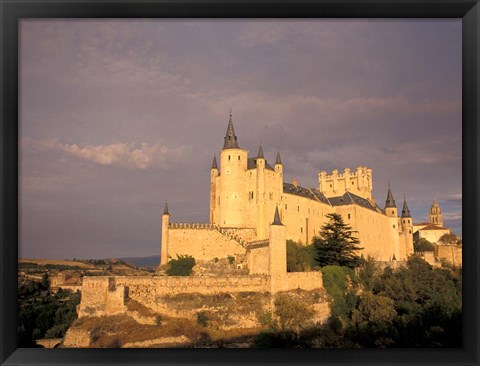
{"type": "Point", "coordinates": [277, 254]}
{"type": "Point", "coordinates": [436, 214]}
{"type": "Point", "coordinates": [164, 245]}
{"type": "Point", "coordinates": [390, 205]}
{"type": "Point", "coordinates": [260, 187]}
{"type": "Point", "coordinates": [233, 167]}
{"type": "Point", "coordinates": [407, 228]}
{"type": "Point", "coordinates": [213, 190]}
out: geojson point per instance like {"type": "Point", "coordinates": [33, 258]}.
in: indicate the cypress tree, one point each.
{"type": "Point", "coordinates": [336, 244]}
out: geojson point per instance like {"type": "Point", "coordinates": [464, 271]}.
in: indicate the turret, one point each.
{"type": "Point", "coordinates": [260, 188]}
{"type": "Point", "coordinates": [436, 214]}
{"type": "Point", "coordinates": [277, 253]}
{"type": "Point", "coordinates": [213, 189]}
{"type": "Point", "coordinates": [407, 228]}
{"type": "Point", "coordinates": [390, 205]}
{"type": "Point", "coordinates": [232, 194]}
{"type": "Point", "coordinates": [165, 228]}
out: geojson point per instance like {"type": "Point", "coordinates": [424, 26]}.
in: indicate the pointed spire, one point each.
{"type": "Point", "coordinates": [405, 209]}
{"type": "Point", "coordinates": [260, 152]}
{"type": "Point", "coordinates": [230, 138]}
{"type": "Point", "coordinates": [278, 161]}
{"type": "Point", "coordinates": [165, 209]}
{"type": "Point", "coordinates": [435, 203]}
{"type": "Point", "coordinates": [276, 219]}
{"type": "Point", "coordinates": [214, 164]}
{"type": "Point", "coordinates": [390, 202]}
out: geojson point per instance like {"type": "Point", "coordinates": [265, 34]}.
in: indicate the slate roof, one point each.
{"type": "Point", "coordinates": [230, 137]}
{"type": "Point", "coordinates": [251, 164]}
{"type": "Point", "coordinates": [346, 199]}
{"type": "Point", "coordinates": [433, 227]}
{"type": "Point", "coordinates": [299, 191]}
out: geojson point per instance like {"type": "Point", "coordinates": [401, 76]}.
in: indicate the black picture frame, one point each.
{"type": "Point", "coordinates": [11, 11]}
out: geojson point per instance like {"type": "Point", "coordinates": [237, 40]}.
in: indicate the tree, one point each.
{"type": "Point", "coordinates": [182, 266]}
{"type": "Point", "coordinates": [337, 244]}
{"type": "Point", "coordinates": [300, 258]}
{"type": "Point", "coordinates": [449, 238]}
{"type": "Point", "coordinates": [423, 245]}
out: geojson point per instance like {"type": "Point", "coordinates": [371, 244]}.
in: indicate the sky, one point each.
{"type": "Point", "coordinates": [117, 116]}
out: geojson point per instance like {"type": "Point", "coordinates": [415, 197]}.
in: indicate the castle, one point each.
{"type": "Point", "coordinates": [246, 192]}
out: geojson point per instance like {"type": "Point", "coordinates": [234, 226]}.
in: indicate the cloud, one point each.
{"type": "Point", "coordinates": [130, 155]}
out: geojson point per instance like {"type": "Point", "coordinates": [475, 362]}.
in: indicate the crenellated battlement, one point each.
{"type": "Point", "coordinates": [336, 184]}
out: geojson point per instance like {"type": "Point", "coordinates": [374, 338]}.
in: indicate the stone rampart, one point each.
{"type": "Point", "coordinates": [451, 253]}
{"type": "Point", "coordinates": [303, 280]}
{"type": "Point", "coordinates": [107, 295]}
{"type": "Point", "coordinates": [201, 241]}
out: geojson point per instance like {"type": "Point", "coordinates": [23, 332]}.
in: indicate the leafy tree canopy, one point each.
{"type": "Point", "coordinates": [449, 238]}
{"type": "Point", "coordinates": [423, 245]}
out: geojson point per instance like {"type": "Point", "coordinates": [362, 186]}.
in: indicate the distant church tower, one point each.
{"type": "Point", "coordinates": [436, 214]}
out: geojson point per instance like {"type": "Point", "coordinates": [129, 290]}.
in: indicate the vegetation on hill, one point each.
{"type": "Point", "coordinates": [42, 314]}
{"type": "Point", "coordinates": [423, 245]}
{"type": "Point", "coordinates": [182, 266]}
{"type": "Point", "coordinates": [412, 306]}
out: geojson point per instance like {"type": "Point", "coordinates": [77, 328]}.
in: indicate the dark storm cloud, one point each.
{"type": "Point", "coordinates": [117, 116]}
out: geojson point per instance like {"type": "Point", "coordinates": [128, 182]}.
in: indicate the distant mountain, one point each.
{"type": "Point", "coordinates": [152, 261]}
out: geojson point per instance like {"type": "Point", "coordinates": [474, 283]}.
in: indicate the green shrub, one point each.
{"type": "Point", "coordinates": [182, 266]}
{"type": "Point", "coordinates": [291, 314]}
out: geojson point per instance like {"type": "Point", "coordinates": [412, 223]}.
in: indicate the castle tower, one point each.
{"type": "Point", "coordinates": [390, 205]}
{"type": "Point", "coordinates": [213, 189]}
{"type": "Point", "coordinates": [277, 253]}
{"type": "Point", "coordinates": [233, 167]}
{"type": "Point", "coordinates": [164, 246]}
{"type": "Point", "coordinates": [260, 187]}
{"type": "Point", "coordinates": [407, 228]}
{"type": "Point", "coordinates": [279, 170]}
{"type": "Point", "coordinates": [436, 214]}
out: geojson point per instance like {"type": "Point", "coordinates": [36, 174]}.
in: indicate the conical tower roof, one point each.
{"type": "Point", "coordinates": [260, 152]}
{"type": "Point", "coordinates": [278, 161]}
{"type": "Point", "coordinates": [214, 164]}
{"type": "Point", "coordinates": [390, 201]}
{"type": "Point", "coordinates": [276, 219]}
{"type": "Point", "coordinates": [165, 209]}
{"type": "Point", "coordinates": [405, 209]}
{"type": "Point", "coordinates": [230, 138]}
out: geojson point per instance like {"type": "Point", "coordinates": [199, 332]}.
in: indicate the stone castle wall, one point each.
{"type": "Point", "coordinates": [201, 241]}
{"type": "Point", "coordinates": [452, 253]}
{"type": "Point", "coordinates": [107, 295]}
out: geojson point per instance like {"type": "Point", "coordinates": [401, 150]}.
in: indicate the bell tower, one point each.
{"type": "Point", "coordinates": [436, 214]}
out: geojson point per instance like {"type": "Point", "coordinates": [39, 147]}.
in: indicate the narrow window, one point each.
{"type": "Point", "coordinates": [301, 229]}
{"type": "Point", "coordinates": [228, 157]}
{"type": "Point", "coordinates": [409, 231]}
{"type": "Point", "coordinates": [349, 216]}
{"type": "Point", "coordinates": [298, 208]}
{"type": "Point", "coordinates": [285, 206]}
{"type": "Point", "coordinates": [394, 226]}
{"type": "Point", "coordinates": [238, 157]}
{"type": "Point", "coordinates": [408, 221]}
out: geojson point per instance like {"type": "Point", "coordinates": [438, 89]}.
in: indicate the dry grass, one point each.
{"type": "Point", "coordinates": [114, 331]}
{"type": "Point", "coordinates": [56, 262]}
